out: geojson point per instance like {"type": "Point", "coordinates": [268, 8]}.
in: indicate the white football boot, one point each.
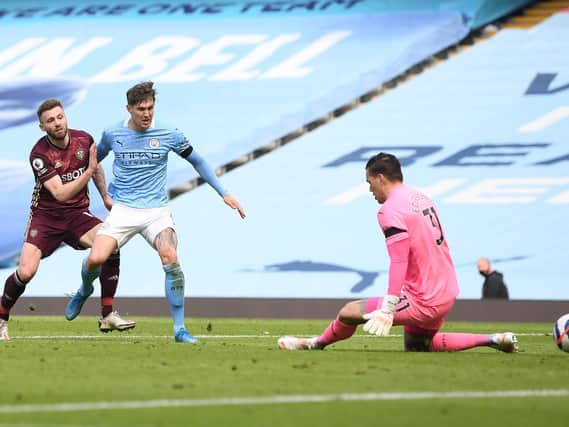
{"type": "Point", "coordinates": [4, 330]}
{"type": "Point", "coordinates": [506, 342]}
{"type": "Point", "coordinates": [294, 343]}
{"type": "Point", "coordinates": [113, 322]}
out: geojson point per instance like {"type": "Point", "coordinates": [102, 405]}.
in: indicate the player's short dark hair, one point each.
{"type": "Point", "coordinates": [386, 164]}
{"type": "Point", "coordinates": [47, 105]}
{"type": "Point", "coordinates": [140, 92]}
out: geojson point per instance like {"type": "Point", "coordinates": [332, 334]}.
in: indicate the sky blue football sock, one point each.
{"type": "Point", "coordinates": [174, 285]}
{"type": "Point", "coordinates": [88, 277]}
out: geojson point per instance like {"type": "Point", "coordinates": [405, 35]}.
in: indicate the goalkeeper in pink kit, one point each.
{"type": "Point", "coordinates": [422, 283]}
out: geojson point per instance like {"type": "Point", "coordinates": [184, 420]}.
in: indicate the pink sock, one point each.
{"type": "Point", "coordinates": [336, 331]}
{"type": "Point", "coordinates": [457, 341]}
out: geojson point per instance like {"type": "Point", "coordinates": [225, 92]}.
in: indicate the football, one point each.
{"type": "Point", "coordinates": [560, 330]}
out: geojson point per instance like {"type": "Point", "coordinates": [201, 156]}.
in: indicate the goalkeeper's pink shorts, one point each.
{"type": "Point", "coordinates": [416, 318]}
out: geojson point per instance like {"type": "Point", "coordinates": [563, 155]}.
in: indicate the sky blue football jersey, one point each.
{"type": "Point", "coordinates": [141, 158]}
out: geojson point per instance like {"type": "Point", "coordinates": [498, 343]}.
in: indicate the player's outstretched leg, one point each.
{"type": "Point", "coordinates": [445, 341]}
{"type": "Point", "coordinates": [341, 328]}
{"type": "Point", "coordinates": [78, 299]}
{"type": "Point", "coordinates": [113, 322]}
{"type": "Point", "coordinates": [337, 330]}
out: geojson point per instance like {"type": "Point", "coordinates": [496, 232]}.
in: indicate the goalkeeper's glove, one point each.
{"type": "Point", "coordinates": [379, 321]}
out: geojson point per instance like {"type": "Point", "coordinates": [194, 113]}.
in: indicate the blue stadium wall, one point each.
{"type": "Point", "coordinates": [483, 133]}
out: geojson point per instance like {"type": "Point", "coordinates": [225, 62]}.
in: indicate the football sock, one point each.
{"type": "Point", "coordinates": [87, 277]}
{"type": "Point", "coordinates": [336, 331]}
{"type": "Point", "coordinates": [13, 288]}
{"type": "Point", "coordinates": [174, 286]}
{"type": "Point", "coordinates": [457, 341]}
{"type": "Point", "coordinates": [109, 279]}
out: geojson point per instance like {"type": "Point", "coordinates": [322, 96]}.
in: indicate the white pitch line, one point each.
{"type": "Point", "coordinates": [130, 336]}
{"type": "Point", "coordinates": [278, 399]}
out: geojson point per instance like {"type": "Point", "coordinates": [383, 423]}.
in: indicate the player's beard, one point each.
{"type": "Point", "coordinates": [59, 135]}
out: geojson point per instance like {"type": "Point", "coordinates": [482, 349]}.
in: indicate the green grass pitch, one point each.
{"type": "Point", "coordinates": [59, 373]}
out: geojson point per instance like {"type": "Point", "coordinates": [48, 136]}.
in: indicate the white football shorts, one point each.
{"type": "Point", "coordinates": [124, 222]}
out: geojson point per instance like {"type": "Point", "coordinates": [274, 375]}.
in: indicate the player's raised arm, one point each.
{"type": "Point", "coordinates": [209, 176]}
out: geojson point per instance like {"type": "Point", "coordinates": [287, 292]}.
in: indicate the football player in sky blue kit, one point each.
{"type": "Point", "coordinates": [138, 189]}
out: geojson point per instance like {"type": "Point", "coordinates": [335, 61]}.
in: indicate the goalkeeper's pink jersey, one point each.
{"type": "Point", "coordinates": [409, 214]}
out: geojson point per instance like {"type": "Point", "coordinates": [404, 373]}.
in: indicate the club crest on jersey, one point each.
{"type": "Point", "coordinates": [80, 154]}
{"type": "Point", "coordinates": [33, 232]}
{"type": "Point", "coordinates": [57, 164]}
{"type": "Point", "coordinates": [154, 143]}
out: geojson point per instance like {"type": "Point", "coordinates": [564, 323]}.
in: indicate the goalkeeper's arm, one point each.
{"type": "Point", "coordinates": [379, 322]}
